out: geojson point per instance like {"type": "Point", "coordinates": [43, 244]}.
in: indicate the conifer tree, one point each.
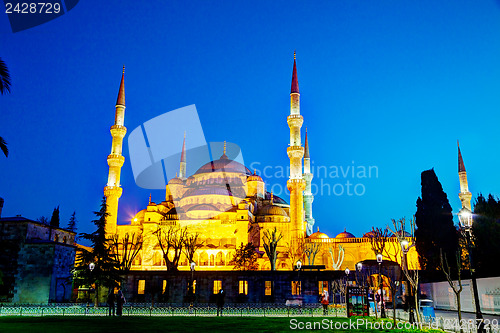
{"type": "Point", "coordinates": [106, 268]}
{"type": "Point", "coordinates": [54, 220]}
{"type": "Point", "coordinates": [72, 223]}
{"type": "Point", "coordinates": [486, 233]}
{"type": "Point", "coordinates": [434, 220]}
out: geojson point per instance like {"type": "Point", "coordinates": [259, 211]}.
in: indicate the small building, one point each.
{"type": "Point", "coordinates": [36, 261]}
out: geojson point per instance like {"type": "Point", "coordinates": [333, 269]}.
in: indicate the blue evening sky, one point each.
{"type": "Point", "coordinates": [388, 84]}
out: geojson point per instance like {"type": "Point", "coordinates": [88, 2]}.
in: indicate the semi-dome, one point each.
{"type": "Point", "coordinates": [214, 190]}
{"type": "Point", "coordinates": [272, 210]}
{"type": "Point", "coordinates": [203, 207]}
{"type": "Point", "coordinates": [176, 181]}
{"type": "Point", "coordinates": [319, 234]}
{"type": "Point", "coordinates": [223, 164]}
{"type": "Point", "coordinates": [345, 234]}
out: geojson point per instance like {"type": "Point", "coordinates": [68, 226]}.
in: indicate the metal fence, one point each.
{"type": "Point", "coordinates": [141, 309]}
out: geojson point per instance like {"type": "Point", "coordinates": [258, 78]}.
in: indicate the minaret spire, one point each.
{"type": "Point", "coordinates": [295, 80]}
{"type": "Point", "coordinates": [461, 166]}
{"type": "Point", "coordinates": [464, 195]}
{"type": "Point", "coordinates": [121, 92]}
{"type": "Point", "coordinates": [306, 147]}
{"type": "Point", "coordinates": [182, 167]}
{"type": "Point", "coordinates": [295, 151]}
{"type": "Point", "coordinates": [112, 190]}
{"type": "Point", "coordinates": [308, 197]}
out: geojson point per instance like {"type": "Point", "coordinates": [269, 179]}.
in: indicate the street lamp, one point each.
{"type": "Point", "coordinates": [299, 265]}
{"type": "Point", "coordinates": [361, 286]}
{"type": "Point", "coordinates": [193, 265]}
{"type": "Point", "coordinates": [466, 220]}
{"type": "Point", "coordinates": [382, 308]}
{"type": "Point", "coordinates": [91, 267]}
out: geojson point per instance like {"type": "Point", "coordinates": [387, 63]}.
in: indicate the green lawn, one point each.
{"type": "Point", "coordinates": [79, 324]}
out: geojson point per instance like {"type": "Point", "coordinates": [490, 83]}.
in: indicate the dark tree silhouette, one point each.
{"type": "Point", "coordinates": [245, 258]}
{"type": "Point", "coordinates": [106, 269]}
{"type": "Point", "coordinates": [54, 220]}
{"type": "Point", "coordinates": [4, 88]}
{"type": "Point", "coordinates": [486, 233]}
{"type": "Point", "coordinates": [434, 220]}
{"type": "Point", "coordinates": [72, 223]}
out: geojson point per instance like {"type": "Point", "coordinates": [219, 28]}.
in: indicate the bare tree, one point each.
{"type": "Point", "coordinates": [447, 271]}
{"type": "Point", "coordinates": [392, 251]}
{"type": "Point", "coordinates": [340, 286]}
{"type": "Point", "coordinates": [311, 250]}
{"type": "Point", "coordinates": [171, 241]}
{"type": "Point", "coordinates": [411, 274]}
{"type": "Point", "coordinates": [378, 239]}
{"type": "Point", "coordinates": [125, 249]}
{"type": "Point", "coordinates": [340, 257]}
{"type": "Point", "coordinates": [271, 240]}
{"type": "Point", "coordinates": [192, 243]}
{"type": "Point", "coordinates": [295, 251]}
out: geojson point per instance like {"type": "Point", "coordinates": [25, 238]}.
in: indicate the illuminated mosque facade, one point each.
{"type": "Point", "coordinates": [228, 205]}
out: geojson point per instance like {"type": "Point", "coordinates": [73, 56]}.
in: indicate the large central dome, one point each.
{"type": "Point", "coordinates": [223, 164]}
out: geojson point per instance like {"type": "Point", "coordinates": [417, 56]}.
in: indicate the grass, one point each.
{"type": "Point", "coordinates": [81, 324]}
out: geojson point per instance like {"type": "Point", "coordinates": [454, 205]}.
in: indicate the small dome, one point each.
{"type": "Point", "coordinates": [345, 234]}
{"type": "Point", "coordinates": [276, 199]}
{"type": "Point", "coordinates": [254, 177]}
{"type": "Point", "coordinates": [223, 164]}
{"type": "Point", "coordinates": [272, 210]}
{"type": "Point", "coordinates": [369, 234]}
{"type": "Point", "coordinates": [319, 234]}
{"type": "Point", "coordinates": [176, 181]}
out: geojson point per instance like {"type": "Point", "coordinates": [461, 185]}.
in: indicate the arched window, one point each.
{"type": "Point", "coordinates": [203, 259]}
{"type": "Point", "coordinates": [219, 261]}
{"type": "Point", "coordinates": [212, 261]}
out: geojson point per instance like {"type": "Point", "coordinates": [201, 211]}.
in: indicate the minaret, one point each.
{"type": "Point", "coordinates": [295, 151]}
{"type": "Point", "coordinates": [182, 168]}
{"type": "Point", "coordinates": [308, 197]}
{"type": "Point", "coordinates": [113, 191]}
{"type": "Point", "coordinates": [464, 195]}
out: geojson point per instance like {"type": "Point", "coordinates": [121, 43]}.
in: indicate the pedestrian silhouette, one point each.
{"type": "Point", "coordinates": [220, 301]}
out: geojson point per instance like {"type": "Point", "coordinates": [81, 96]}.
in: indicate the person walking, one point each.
{"type": "Point", "coordinates": [111, 302]}
{"type": "Point", "coordinates": [220, 301]}
{"type": "Point", "coordinates": [119, 302]}
{"type": "Point", "coordinates": [325, 301]}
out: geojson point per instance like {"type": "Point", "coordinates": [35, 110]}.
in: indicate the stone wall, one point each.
{"type": "Point", "coordinates": [177, 283]}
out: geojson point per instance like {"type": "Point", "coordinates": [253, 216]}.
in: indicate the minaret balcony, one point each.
{"type": "Point", "coordinates": [295, 151]}
{"type": "Point", "coordinates": [295, 120]}
{"type": "Point", "coordinates": [116, 160]}
{"type": "Point", "coordinates": [118, 131]}
{"type": "Point", "coordinates": [112, 191]}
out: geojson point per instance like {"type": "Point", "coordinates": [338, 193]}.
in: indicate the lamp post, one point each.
{"type": "Point", "coordinates": [382, 307]}
{"type": "Point", "coordinates": [193, 265]}
{"type": "Point", "coordinates": [91, 267]}
{"type": "Point", "coordinates": [347, 271]}
{"type": "Point", "coordinates": [405, 248]}
{"type": "Point", "coordinates": [299, 265]}
{"type": "Point", "coordinates": [361, 286]}
{"type": "Point", "coordinates": [359, 267]}
{"type": "Point", "coordinates": [466, 220]}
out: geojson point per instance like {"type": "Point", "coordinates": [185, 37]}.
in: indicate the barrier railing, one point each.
{"type": "Point", "coordinates": [252, 310]}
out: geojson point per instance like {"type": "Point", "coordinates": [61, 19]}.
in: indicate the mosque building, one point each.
{"type": "Point", "coordinates": [228, 205]}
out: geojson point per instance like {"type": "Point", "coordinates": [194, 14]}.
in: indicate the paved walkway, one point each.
{"type": "Point", "coordinates": [465, 315]}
